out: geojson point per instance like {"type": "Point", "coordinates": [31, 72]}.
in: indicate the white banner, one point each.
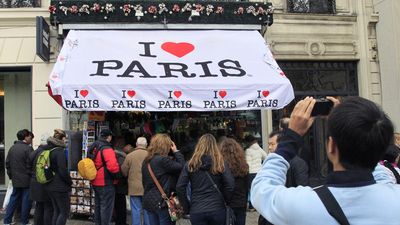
{"type": "Point", "coordinates": [168, 71]}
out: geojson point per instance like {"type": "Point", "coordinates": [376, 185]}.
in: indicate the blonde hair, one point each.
{"type": "Point", "coordinates": [207, 145]}
{"type": "Point", "coordinates": [160, 144]}
{"type": "Point", "coordinates": [59, 134]}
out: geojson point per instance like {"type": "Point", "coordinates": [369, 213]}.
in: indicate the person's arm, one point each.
{"type": "Point", "coordinates": [62, 167]}
{"type": "Point", "coordinates": [28, 162]}
{"type": "Point", "coordinates": [110, 159]}
{"type": "Point", "coordinates": [268, 192]}
{"type": "Point", "coordinates": [228, 184]}
{"type": "Point", "coordinates": [300, 171]}
{"type": "Point", "coordinates": [173, 165]}
{"type": "Point", "coordinates": [126, 166]}
{"type": "Point", "coordinates": [8, 165]}
{"type": "Point", "coordinates": [263, 154]}
{"type": "Point", "coordinates": [181, 186]}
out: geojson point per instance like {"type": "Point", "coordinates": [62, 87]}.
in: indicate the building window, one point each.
{"type": "Point", "coordinates": [19, 3]}
{"type": "Point", "coordinates": [311, 6]}
{"type": "Point", "coordinates": [317, 79]}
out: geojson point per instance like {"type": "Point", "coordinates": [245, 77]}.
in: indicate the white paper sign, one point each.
{"type": "Point", "coordinates": [168, 71]}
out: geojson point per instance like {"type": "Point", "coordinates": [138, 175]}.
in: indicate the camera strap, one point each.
{"type": "Point", "coordinates": [331, 204]}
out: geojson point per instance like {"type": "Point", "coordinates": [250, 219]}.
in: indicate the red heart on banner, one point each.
{"type": "Point", "coordinates": [265, 93]}
{"type": "Point", "coordinates": [177, 94]}
{"type": "Point", "coordinates": [178, 49]}
{"type": "Point", "coordinates": [84, 93]}
{"type": "Point", "coordinates": [131, 93]}
{"type": "Point", "coordinates": [222, 93]}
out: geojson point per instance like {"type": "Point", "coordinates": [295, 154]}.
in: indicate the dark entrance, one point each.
{"type": "Point", "coordinates": [317, 79]}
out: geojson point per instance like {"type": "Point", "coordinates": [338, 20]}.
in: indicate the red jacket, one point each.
{"type": "Point", "coordinates": [112, 166]}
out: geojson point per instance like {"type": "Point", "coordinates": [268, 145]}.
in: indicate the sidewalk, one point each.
{"type": "Point", "coordinates": [251, 219]}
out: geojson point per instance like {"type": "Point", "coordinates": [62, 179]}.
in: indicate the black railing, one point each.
{"type": "Point", "coordinates": [158, 11]}
{"type": "Point", "coordinates": [312, 6]}
{"type": "Point", "coordinates": [19, 3]}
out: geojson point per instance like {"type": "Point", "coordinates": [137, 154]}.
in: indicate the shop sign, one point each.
{"type": "Point", "coordinates": [168, 71]}
{"type": "Point", "coordinates": [42, 39]}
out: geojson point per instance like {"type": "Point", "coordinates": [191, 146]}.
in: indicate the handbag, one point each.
{"type": "Point", "coordinates": [175, 209]}
{"type": "Point", "coordinates": [230, 215]}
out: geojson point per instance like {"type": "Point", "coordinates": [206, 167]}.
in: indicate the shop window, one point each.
{"type": "Point", "coordinates": [19, 3]}
{"type": "Point", "coordinates": [15, 111]}
{"type": "Point", "coordinates": [311, 6]}
{"type": "Point", "coordinates": [317, 79]}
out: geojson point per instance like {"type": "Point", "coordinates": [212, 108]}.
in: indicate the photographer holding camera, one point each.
{"type": "Point", "coordinates": [358, 134]}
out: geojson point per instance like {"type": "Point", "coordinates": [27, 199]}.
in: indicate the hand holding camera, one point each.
{"type": "Point", "coordinates": [302, 115]}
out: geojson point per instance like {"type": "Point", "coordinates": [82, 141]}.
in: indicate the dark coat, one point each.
{"type": "Point", "coordinates": [167, 170]}
{"type": "Point", "coordinates": [239, 198]}
{"type": "Point", "coordinates": [61, 181]}
{"type": "Point", "coordinates": [297, 173]}
{"type": "Point", "coordinates": [204, 196]}
{"type": "Point", "coordinates": [122, 186]}
{"type": "Point", "coordinates": [37, 190]}
{"type": "Point", "coordinates": [18, 164]}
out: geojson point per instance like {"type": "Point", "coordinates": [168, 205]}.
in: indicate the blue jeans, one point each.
{"type": "Point", "coordinates": [137, 210]}
{"type": "Point", "coordinates": [18, 195]}
{"type": "Point", "coordinates": [104, 204]}
{"type": "Point", "coordinates": [160, 217]}
{"type": "Point", "coordinates": [208, 218]}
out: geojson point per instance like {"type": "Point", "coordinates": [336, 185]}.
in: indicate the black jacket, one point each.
{"type": "Point", "coordinates": [167, 170]}
{"type": "Point", "coordinates": [204, 196]}
{"type": "Point", "coordinates": [297, 173]}
{"type": "Point", "coordinates": [58, 163]}
{"type": "Point", "coordinates": [239, 198]}
{"type": "Point", "coordinates": [17, 164]}
{"type": "Point", "coordinates": [37, 191]}
{"type": "Point", "coordinates": [122, 186]}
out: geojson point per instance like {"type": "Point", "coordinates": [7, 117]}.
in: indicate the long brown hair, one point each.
{"type": "Point", "coordinates": [160, 144]}
{"type": "Point", "coordinates": [233, 154]}
{"type": "Point", "coordinates": [207, 145]}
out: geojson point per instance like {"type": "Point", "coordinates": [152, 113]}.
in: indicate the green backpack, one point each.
{"type": "Point", "coordinates": [44, 173]}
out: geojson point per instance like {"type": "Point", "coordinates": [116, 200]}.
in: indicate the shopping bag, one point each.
{"type": "Point", "coordinates": [8, 195]}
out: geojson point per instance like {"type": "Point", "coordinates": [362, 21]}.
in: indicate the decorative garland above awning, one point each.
{"type": "Point", "coordinates": [199, 12]}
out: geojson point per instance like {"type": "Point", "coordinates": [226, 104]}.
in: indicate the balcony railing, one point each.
{"type": "Point", "coordinates": [159, 11]}
{"type": "Point", "coordinates": [312, 6]}
{"type": "Point", "coordinates": [19, 3]}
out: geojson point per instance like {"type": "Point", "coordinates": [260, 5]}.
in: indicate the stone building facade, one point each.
{"type": "Point", "coordinates": [325, 47]}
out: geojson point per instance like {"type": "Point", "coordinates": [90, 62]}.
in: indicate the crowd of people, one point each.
{"type": "Point", "coordinates": [208, 175]}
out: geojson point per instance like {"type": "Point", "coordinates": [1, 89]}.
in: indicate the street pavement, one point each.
{"type": "Point", "coordinates": [251, 219]}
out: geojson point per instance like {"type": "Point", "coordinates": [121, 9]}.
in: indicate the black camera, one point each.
{"type": "Point", "coordinates": [322, 107]}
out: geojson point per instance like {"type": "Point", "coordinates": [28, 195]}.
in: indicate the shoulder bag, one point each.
{"type": "Point", "coordinates": [175, 209]}
{"type": "Point", "coordinates": [331, 205]}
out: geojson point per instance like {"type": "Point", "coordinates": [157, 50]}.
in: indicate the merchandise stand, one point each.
{"type": "Point", "coordinates": [82, 193]}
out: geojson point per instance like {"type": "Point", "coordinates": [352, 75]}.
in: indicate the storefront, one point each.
{"type": "Point", "coordinates": [142, 76]}
{"type": "Point", "coordinates": [172, 81]}
{"type": "Point", "coordinates": [15, 108]}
